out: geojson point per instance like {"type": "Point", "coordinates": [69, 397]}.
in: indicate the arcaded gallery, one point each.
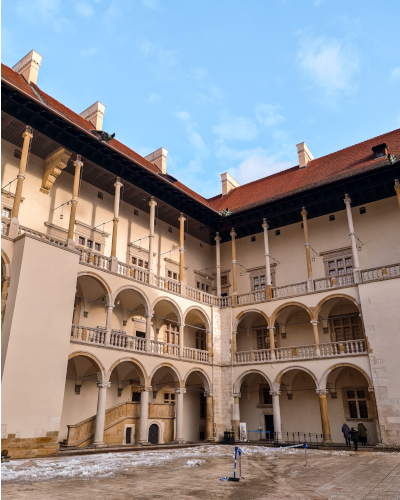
{"type": "Point", "coordinates": [136, 312]}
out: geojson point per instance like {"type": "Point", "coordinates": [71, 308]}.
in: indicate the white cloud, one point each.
{"type": "Point", "coordinates": [195, 138]}
{"type": "Point", "coordinates": [394, 75]}
{"type": "Point", "coordinates": [47, 12]}
{"type": "Point", "coordinates": [256, 165]}
{"type": "Point", "coordinates": [331, 64]}
{"type": "Point", "coordinates": [267, 114]}
{"type": "Point", "coordinates": [154, 98]}
{"type": "Point", "coordinates": [235, 129]}
{"type": "Point", "coordinates": [151, 4]}
{"type": "Point", "coordinates": [84, 9]}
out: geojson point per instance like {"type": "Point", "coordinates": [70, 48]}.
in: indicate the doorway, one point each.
{"type": "Point", "coordinates": [128, 435]}
{"type": "Point", "coordinates": [153, 434]}
{"type": "Point", "coordinates": [269, 426]}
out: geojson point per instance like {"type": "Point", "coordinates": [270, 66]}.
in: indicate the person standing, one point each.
{"type": "Point", "coordinates": [362, 432]}
{"type": "Point", "coordinates": [346, 430]}
{"type": "Point", "coordinates": [354, 438]}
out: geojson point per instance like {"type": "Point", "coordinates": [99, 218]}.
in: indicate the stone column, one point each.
{"type": "Point", "coordinates": [209, 344]}
{"type": "Point", "coordinates": [218, 263]}
{"type": "Point", "coordinates": [14, 223]}
{"type": "Point", "coordinates": [181, 329]}
{"type": "Point", "coordinates": [153, 205]}
{"type": "Point", "coordinates": [316, 337]}
{"type": "Point", "coordinates": [276, 411]}
{"type": "Point", "coordinates": [144, 415]}
{"type": "Point", "coordinates": [310, 283]}
{"type": "Point", "coordinates": [234, 270]}
{"type": "Point", "coordinates": [181, 246]}
{"type": "Point", "coordinates": [233, 346]}
{"type": "Point", "coordinates": [5, 283]}
{"type": "Point", "coordinates": [376, 417]}
{"type": "Point", "coordinates": [272, 341]}
{"type": "Point", "coordinates": [268, 288]}
{"type": "Point", "coordinates": [108, 324]}
{"type": "Point", "coordinates": [148, 331]}
{"type": "Point", "coordinates": [397, 189]}
{"type": "Point", "coordinates": [236, 415]}
{"type": "Point", "coordinates": [179, 415]}
{"type": "Point", "coordinates": [356, 264]}
{"type": "Point", "coordinates": [326, 430]}
{"type": "Point", "coordinates": [101, 414]}
{"type": "Point", "coordinates": [114, 260]}
{"type": "Point", "coordinates": [78, 165]}
{"type": "Point", "coordinates": [209, 417]}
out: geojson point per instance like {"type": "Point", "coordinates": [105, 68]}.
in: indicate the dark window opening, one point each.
{"type": "Point", "coordinates": [136, 397]}
{"type": "Point", "coordinates": [363, 210]}
{"type": "Point", "coordinates": [253, 238]}
{"type": "Point", "coordinates": [170, 229]}
{"type": "Point", "coordinates": [202, 406]}
{"type": "Point", "coordinates": [100, 195]}
{"type": "Point", "coordinates": [267, 398]}
{"type": "Point", "coordinates": [17, 154]}
{"type": "Point", "coordinates": [277, 232]}
{"type": "Point", "coordinates": [380, 150]}
{"type": "Point", "coordinates": [331, 217]}
{"type": "Point", "coordinates": [302, 225]}
{"type": "Point", "coordinates": [135, 212]}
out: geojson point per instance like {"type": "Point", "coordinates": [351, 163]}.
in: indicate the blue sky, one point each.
{"type": "Point", "coordinates": [223, 85]}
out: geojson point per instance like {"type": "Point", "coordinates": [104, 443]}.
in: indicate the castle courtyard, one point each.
{"type": "Point", "coordinates": [268, 473]}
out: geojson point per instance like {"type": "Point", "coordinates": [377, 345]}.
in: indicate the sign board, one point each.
{"type": "Point", "coordinates": [243, 431]}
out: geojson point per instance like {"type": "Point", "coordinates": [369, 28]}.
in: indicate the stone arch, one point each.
{"type": "Point", "coordinates": [135, 289]}
{"type": "Point", "coordinates": [239, 380]}
{"type": "Point", "coordinates": [203, 375]}
{"type": "Point", "coordinates": [288, 304]}
{"type": "Point", "coordinates": [94, 358]}
{"type": "Point", "coordinates": [207, 321]}
{"type": "Point", "coordinates": [324, 377]}
{"type": "Point", "coordinates": [242, 314]}
{"type": "Point", "coordinates": [278, 378]}
{"type": "Point", "coordinates": [102, 281]}
{"type": "Point", "coordinates": [318, 307]}
{"type": "Point", "coordinates": [6, 261]}
{"type": "Point", "coordinates": [174, 372]}
{"type": "Point", "coordinates": [174, 304]}
{"type": "Point", "coordinates": [137, 364]}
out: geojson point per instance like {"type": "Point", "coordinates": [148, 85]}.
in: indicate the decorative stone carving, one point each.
{"type": "Point", "coordinates": [53, 166]}
{"type": "Point", "coordinates": [180, 391]}
{"type": "Point", "coordinates": [103, 385]}
{"type": "Point", "coordinates": [322, 392]}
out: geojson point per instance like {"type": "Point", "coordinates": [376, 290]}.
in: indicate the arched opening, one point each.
{"type": "Point", "coordinates": [129, 316]}
{"type": "Point", "coordinates": [195, 334]}
{"type": "Point", "coordinates": [252, 335]}
{"type": "Point", "coordinates": [167, 330]}
{"type": "Point", "coordinates": [350, 402]}
{"type": "Point", "coordinates": [294, 332]}
{"type": "Point", "coordinates": [195, 406]}
{"type": "Point", "coordinates": [162, 399]}
{"type": "Point", "coordinates": [255, 407]}
{"type": "Point", "coordinates": [84, 371]}
{"type": "Point", "coordinates": [153, 434]}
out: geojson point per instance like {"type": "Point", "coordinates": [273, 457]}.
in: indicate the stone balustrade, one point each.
{"type": "Point", "coordinates": [87, 334]}
{"type": "Point", "coordinates": [164, 349]}
{"type": "Point", "coordinates": [281, 292]}
{"type": "Point", "coordinates": [378, 273]}
{"type": "Point", "coordinates": [134, 272]}
{"type": "Point", "coordinates": [42, 236]}
{"type": "Point", "coordinates": [95, 259]}
{"type": "Point", "coordinates": [195, 354]}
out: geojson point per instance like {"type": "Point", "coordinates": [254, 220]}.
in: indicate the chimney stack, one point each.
{"type": "Point", "coordinates": [228, 183]}
{"type": "Point", "coordinates": [29, 66]}
{"type": "Point", "coordinates": [159, 159]}
{"type": "Point", "coordinates": [95, 114]}
{"type": "Point", "coordinates": [305, 154]}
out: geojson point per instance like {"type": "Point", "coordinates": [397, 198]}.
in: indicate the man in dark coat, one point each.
{"type": "Point", "coordinates": [362, 432]}
{"type": "Point", "coordinates": [346, 430]}
{"type": "Point", "coordinates": [354, 438]}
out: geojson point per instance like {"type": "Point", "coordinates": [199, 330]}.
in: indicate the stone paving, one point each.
{"type": "Point", "coordinates": [195, 473]}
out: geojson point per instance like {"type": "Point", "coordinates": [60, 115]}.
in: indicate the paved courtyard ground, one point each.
{"type": "Point", "coordinates": [192, 473]}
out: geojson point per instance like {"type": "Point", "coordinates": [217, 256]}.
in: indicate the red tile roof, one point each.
{"type": "Point", "coordinates": [347, 162]}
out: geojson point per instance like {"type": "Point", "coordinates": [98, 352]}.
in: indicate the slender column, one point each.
{"type": "Point", "coordinates": [78, 165]}
{"type": "Point", "coordinates": [144, 415]}
{"type": "Point", "coordinates": [218, 263]}
{"type": "Point", "coordinates": [114, 260]}
{"type": "Point", "coordinates": [149, 324]}
{"type": "Point", "coordinates": [209, 344]}
{"type": "Point", "coordinates": [181, 246]}
{"type": "Point", "coordinates": [108, 324]}
{"type": "Point", "coordinates": [101, 414]}
{"type": "Point", "coordinates": [304, 214]}
{"type": "Point", "coordinates": [376, 417]}
{"type": "Point", "coordinates": [268, 290]}
{"type": "Point", "coordinates": [209, 417]}
{"type": "Point", "coordinates": [153, 205]}
{"type": "Point", "coordinates": [326, 430]}
{"type": "Point", "coordinates": [276, 411]}
{"type": "Point", "coordinates": [397, 189]}
{"type": "Point", "coordinates": [179, 415]}
{"type": "Point", "coordinates": [316, 337]}
{"type": "Point", "coordinates": [14, 224]}
{"type": "Point", "coordinates": [234, 270]}
{"type": "Point", "coordinates": [236, 415]}
{"type": "Point", "coordinates": [272, 341]}
{"type": "Point", "coordinates": [356, 264]}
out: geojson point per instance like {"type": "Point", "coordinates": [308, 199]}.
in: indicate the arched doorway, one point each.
{"type": "Point", "coordinates": [198, 407]}
{"type": "Point", "coordinates": [153, 434]}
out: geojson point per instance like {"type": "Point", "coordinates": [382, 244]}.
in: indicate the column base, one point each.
{"type": "Point", "coordinates": [144, 443]}
{"type": "Point", "coordinates": [14, 228]}
{"type": "Point", "coordinates": [98, 445]}
{"type": "Point", "coordinates": [179, 441]}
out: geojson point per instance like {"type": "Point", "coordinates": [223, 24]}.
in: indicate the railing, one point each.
{"type": "Point", "coordinates": [199, 295]}
{"type": "Point", "coordinates": [42, 236]}
{"type": "Point", "coordinates": [303, 352]}
{"type": "Point", "coordinates": [280, 292]}
{"type": "Point", "coordinates": [378, 273]}
{"type": "Point", "coordinates": [251, 297]}
{"type": "Point", "coordinates": [5, 225]}
{"type": "Point", "coordinates": [164, 349]}
{"type": "Point", "coordinates": [120, 339]}
{"type": "Point", "coordinates": [94, 259]}
{"type": "Point", "coordinates": [334, 281]}
{"type": "Point", "coordinates": [167, 284]}
{"type": "Point", "coordinates": [195, 354]}
{"type": "Point", "coordinates": [87, 334]}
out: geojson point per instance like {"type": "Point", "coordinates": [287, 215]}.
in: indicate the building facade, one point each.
{"type": "Point", "coordinates": [135, 311]}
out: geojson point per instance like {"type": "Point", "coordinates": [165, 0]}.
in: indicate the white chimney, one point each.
{"type": "Point", "coordinates": [228, 183]}
{"type": "Point", "coordinates": [95, 114]}
{"type": "Point", "coordinates": [29, 66]}
{"type": "Point", "coordinates": [305, 154]}
{"type": "Point", "coordinates": [159, 159]}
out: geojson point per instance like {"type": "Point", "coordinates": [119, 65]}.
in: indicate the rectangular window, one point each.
{"type": "Point", "coordinates": [135, 212]}
{"type": "Point", "coordinates": [97, 247]}
{"type": "Point", "coordinates": [81, 240]}
{"type": "Point", "coordinates": [146, 265]}
{"type": "Point", "coordinates": [134, 261]}
{"type": "Point", "coordinates": [224, 280]}
{"type": "Point", "coordinates": [207, 288]}
{"type": "Point", "coordinates": [6, 212]}
{"type": "Point", "coordinates": [357, 402]}
{"type": "Point", "coordinates": [347, 328]}
{"type": "Point", "coordinates": [169, 274]}
{"type": "Point", "coordinates": [169, 398]}
{"type": "Point", "coordinates": [89, 243]}
{"type": "Point", "coordinates": [140, 262]}
{"type": "Point", "coordinates": [197, 284]}
{"type": "Point", "coordinates": [175, 276]}
{"type": "Point", "coordinates": [267, 398]}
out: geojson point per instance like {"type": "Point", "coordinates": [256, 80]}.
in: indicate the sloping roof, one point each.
{"type": "Point", "coordinates": [321, 171]}
{"type": "Point", "coordinates": [330, 168]}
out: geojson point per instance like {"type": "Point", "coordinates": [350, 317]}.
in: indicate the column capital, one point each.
{"type": "Point", "coordinates": [322, 392]}
{"type": "Point", "coordinates": [118, 182]}
{"type": "Point", "coordinates": [152, 202]}
{"type": "Point", "coordinates": [144, 388]}
{"type": "Point", "coordinates": [208, 394]}
{"type": "Point", "coordinates": [217, 237]}
{"type": "Point", "coordinates": [314, 322]}
{"type": "Point", "coordinates": [103, 385]}
{"type": "Point", "coordinates": [304, 212]}
{"type": "Point", "coordinates": [28, 132]}
{"type": "Point", "coordinates": [233, 233]}
{"type": "Point", "coordinates": [181, 217]}
{"type": "Point", "coordinates": [180, 390]}
{"type": "Point", "coordinates": [110, 306]}
{"type": "Point", "coordinates": [78, 162]}
{"type": "Point", "coordinates": [21, 176]}
{"type": "Point", "coordinates": [265, 224]}
{"type": "Point", "coordinates": [237, 394]}
{"type": "Point", "coordinates": [371, 389]}
{"type": "Point", "coordinates": [275, 393]}
{"type": "Point", "coordinates": [347, 199]}
{"type": "Point", "coordinates": [271, 328]}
